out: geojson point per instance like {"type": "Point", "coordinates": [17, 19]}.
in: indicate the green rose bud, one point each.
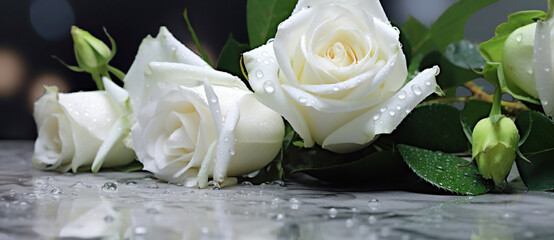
{"type": "Point", "coordinates": [517, 59]}
{"type": "Point", "coordinates": [92, 54]}
{"type": "Point", "coordinates": [494, 147]}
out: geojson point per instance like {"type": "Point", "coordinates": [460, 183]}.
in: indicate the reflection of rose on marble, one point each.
{"type": "Point", "coordinates": [336, 72]}
{"type": "Point", "coordinates": [194, 122]}
{"type": "Point", "coordinates": [82, 129]}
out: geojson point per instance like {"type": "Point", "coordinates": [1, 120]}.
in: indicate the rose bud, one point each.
{"type": "Point", "coordinates": [92, 54]}
{"type": "Point", "coordinates": [494, 147]}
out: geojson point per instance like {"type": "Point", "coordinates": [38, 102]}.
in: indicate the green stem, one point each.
{"type": "Point", "coordinates": [98, 81]}
{"type": "Point", "coordinates": [195, 39]}
{"type": "Point", "coordinates": [119, 74]}
{"type": "Point", "coordinates": [496, 104]}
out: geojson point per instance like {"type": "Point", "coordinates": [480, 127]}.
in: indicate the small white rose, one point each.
{"type": "Point", "coordinates": [336, 71]}
{"type": "Point", "coordinates": [543, 59]}
{"type": "Point", "coordinates": [193, 122]}
{"type": "Point", "coordinates": [82, 129]}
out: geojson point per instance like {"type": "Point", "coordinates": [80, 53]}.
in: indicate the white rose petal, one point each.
{"type": "Point", "coordinates": [543, 59]}
{"type": "Point", "coordinates": [193, 122]}
{"type": "Point", "coordinates": [332, 67]}
{"type": "Point", "coordinates": [82, 129]}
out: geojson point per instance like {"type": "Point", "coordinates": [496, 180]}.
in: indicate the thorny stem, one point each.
{"type": "Point", "coordinates": [480, 94]}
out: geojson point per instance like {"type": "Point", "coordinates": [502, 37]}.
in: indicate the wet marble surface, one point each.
{"type": "Point", "coordinates": [112, 205]}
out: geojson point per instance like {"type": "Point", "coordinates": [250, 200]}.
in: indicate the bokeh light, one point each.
{"type": "Point", "coordinates": [36, 89]}
{"type": "Point", "coordinates": [12, 72]}
{"type": "Point", "coordinates": [51, 19]}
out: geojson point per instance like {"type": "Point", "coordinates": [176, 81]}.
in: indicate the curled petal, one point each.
{"type": "Point", "coordinates": [543, 59]}
{"type": "Point", "coordinates": [383, 118]}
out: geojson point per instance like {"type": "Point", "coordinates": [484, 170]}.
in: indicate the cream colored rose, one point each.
{"type": "Point", "coordinates": [82, 129]}
{"type": "Point", "coordinates": [336, 71]}
{"type": "Point", "coordinates": [193, 122]}
{"type": "Point", "coordinates": [543, 59]}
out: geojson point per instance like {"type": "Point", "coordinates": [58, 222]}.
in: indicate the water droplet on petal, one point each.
{"type": "Point", "coordinates": [398, 107]}
{"type": "Point", "coordinates": [416, 89]}
{"type": "Point", "coordinates": [108, 219]}
{"type": "Point", "coordinates": [302, 100]}
{"type": "Point", "coordinates": [269, 87]}
{"type": "Point", "coordinates": [376, 117]}
{"type": "Point", "coordinates": [428, 82]}
{"type": "Point", "coordinates": [383, 109]}
{"type": "Point", "coordinates": [56, 191]}
{"type": "Point", "coordinates": [349, 223]}
{"type": "Point", "coordinates": [519, 38]}
{"type": "Point", "coordinates": [259, 74]}
{"type": "Point", "coordinates": [372, 219]}
{"type": "Point", "coordinates": [547, 69]}
{"type": "Point", "coordinates": [402, 95]}
{"type": "Point", "coordinates": [232, 152]}
{"type": "Point", "coordinates": [265, 54]}
{"type": "Point", "coordinates": [270, 40]}
{"type": "Point", "coordinates": [392, 113]}
{"type": "Point", "coordinates": [336, 88]}
{"type": "Point", "coordinates": [544, 102]}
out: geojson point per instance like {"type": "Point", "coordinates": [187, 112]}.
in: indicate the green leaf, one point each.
{"type": "Point", "coordinates": [449, 27]}
{"type": "Point", "coordinates": [539, 149]}
{"type": "Point", "coordinates": [379, 170]}
{"type": "Point", "coordinates": [134, 166]}
{"type": "Point", "coordinates": [464, 54]}
{"type": "Point", "coordinates": [229, 58]}
{"type": "Point", "coordinates": [433, 126]}
{"type": "Point", "coordinates": [443, 171]}
{"type": "Point", "coordinates": [195, 39]}
{"type": "Point", "coordinates": [414, 30]}
{"type": "Point", "coordinates": [491, 50]}
{"type": "Point", "coordinates": [263, 16]}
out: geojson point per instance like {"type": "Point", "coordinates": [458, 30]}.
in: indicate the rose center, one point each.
{"type": "Point", "coordinates": [341, 54]}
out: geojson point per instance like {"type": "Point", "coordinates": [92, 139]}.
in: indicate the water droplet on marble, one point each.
{"type": "Point", "coordinates": [374, 204]}
{"type": "Point", "coordinates": [246, 183]}
{"type": "Point", "coordinates": [349, 223]}
{"type": "Point", "coordinates": [130, 182]}
{"type": "Point", "coordinates": [333, 212]}
{"type": "Point", "coordinates": [152, 186]}
{"type": "Point", "coordinates": [56, 191]}
{"type": "Point", "coordinates": [280, 217]}
{"type": "Point", "coordinates": [259, 74]}
{"type": "Point", "coordinates": [108, 219]}
{"type": "Point", "coordinates": [109, 187]}
{"type": "Point", "coordinates": [278, 182]}
{"type": "Point", "coordinates": [152, 211]}
{"type": "Point", "coordinates": [416, 89]}
{"type": "Point", "coordinates": [140, 230]}
{"type": "Point", "coordinates": [269, 87]}
{"type": "Point", "coordinates": [371, 220]}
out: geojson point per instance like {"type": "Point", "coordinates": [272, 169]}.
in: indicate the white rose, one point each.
{"type": "Point", "coordinates": [193, 122]}
{"type": "Point", "coordinates": [543, 59]}
{"type": "Point", "coordinates": [335, 71]}
{"type": "Point", "coordinates": [82, 129]}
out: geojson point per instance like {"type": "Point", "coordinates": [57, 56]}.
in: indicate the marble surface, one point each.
{"type": "Point", "coordinates": [112, 205]}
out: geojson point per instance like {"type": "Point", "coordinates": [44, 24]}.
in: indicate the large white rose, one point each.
{"type": "Point", "coordinates": [82, 129]}
{"type": "Point", "coordinates": [336, 71]}
{"type": "Point", "coordinates": [543, 59]}
{"type": "Point", "coordinates": [193, 122]}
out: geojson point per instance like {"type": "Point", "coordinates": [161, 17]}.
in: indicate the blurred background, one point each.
{"type": "Point", "coordinates": [31, 31]}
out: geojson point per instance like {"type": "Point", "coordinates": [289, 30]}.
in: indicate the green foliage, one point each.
{"type": "Point", "coordinates": [229, 58]}
{"type": "Point", "coordinates": [195, 39]}
{"type": "Point", "coordinates": [134, 166]}
{"type": "Point", "coordinates": [443, 171]}
{"type": "Point", "coordinates": [263, 16]}
{"type": "Point", "coordinates": [448, 28]}
{"type": "Point", "coordinates": [433, 126]}
{"type": "Point", "coordinates": [538, 147]}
